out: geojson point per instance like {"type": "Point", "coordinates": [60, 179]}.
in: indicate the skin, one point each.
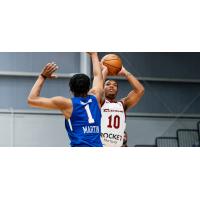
{"type": "Point", "coordinates": [61, 103]}
{"type": "Point", "coordinates": [111, 88]}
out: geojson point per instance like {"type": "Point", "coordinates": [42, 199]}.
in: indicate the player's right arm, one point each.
{"type": "Point", "coordinates": [55, 103]}
{"type": "Point", "coordinates": [97, 87]}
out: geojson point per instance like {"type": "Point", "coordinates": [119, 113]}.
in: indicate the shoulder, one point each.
{"type": "Point", "coordinates": [59, 99]}
{"type": "Point", "coordinates": [62, 102]}
{"type": "Point", "coordinates": [122, 102]}
{"type": "Point", "coordinates": [93, 97]}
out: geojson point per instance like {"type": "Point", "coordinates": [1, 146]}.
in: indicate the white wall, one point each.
{"type": "Point", "coordinates": [33, 130]}
{"type": "Point", "coordinates": [5, 130]}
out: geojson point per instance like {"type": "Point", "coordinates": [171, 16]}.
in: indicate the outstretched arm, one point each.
{"type": "Point", "coordinates": [97, 87]}
{"type": "Point", "coordinates": [137, 89]}
{"type": "Point", "coordinates": [34, 99]}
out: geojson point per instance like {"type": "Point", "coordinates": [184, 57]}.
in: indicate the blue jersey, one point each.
{"type": "Point", "coordinates": [84, 125]}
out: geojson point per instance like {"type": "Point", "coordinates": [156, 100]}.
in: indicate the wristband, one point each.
{"type": "Point", "coordinates": [43, 76]}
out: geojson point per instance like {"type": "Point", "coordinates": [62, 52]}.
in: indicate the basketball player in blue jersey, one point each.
{"type": "Point", "coordinates": [114, 112]}
{"type": "Point", "coordinates": [82, 112]}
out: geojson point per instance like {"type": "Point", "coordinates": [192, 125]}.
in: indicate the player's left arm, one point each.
{"type": "Point", "coordinates": [137, 89]}
{"type": "Point", "coordinates": [97, 86]}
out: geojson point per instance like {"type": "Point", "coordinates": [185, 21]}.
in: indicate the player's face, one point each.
{"type": "Point", "coordinates": [111, 89]}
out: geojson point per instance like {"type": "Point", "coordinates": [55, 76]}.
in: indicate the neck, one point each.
{"type": "Point", "coordinates": [110, 99]}
{"type": "Point", "coordinates": [81, 95]}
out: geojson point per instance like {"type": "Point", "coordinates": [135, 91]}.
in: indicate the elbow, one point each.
{"type": "Point", "coordinates": [141, 91]}
{"type": "Point", "coordinates": [30, 101]}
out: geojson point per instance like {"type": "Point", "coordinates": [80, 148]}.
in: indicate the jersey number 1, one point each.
{"type": "Point", "coordinates": [89, 114]}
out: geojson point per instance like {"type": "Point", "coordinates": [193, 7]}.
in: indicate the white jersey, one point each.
{"type": "Point", "coordinates": [113, 124]}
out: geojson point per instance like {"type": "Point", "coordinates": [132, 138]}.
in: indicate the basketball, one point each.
{"type": "Point", "coordinates": [113, 62]}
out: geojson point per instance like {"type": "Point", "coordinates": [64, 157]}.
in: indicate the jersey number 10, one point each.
{"type": "Point", "coordinates": [114, 121]}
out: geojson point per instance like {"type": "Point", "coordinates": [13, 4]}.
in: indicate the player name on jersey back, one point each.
{"type": "Point", "coordinates": [113, 124]}
{"type": "Point", "coordinates": [91, 129]}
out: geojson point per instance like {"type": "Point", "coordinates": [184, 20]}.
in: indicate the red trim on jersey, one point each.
{"type": "Point", "coordinates": [111, 101]}
{"type": "Point", "coordinates": [123, 108]}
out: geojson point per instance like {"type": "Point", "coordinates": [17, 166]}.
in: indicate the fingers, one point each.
{"type": "Point", "coordinates": [52, 68]}
{"type": "Point", "coordinates": [49, 70]}
{"type": "Point", "coordinates": [50, 64]}
{"type": "Point", "coordinates": [105, 70]}
{"type": "Point", "coordinates": [102, 66]}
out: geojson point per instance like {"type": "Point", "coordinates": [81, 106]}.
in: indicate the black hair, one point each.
{"type": "Point", "coordinates": [79, 84]}
{"type": "Point", "coordinates": [112, 80]}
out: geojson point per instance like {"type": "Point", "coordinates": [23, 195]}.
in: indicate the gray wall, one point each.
{"type": "Point", "coordinates": [14, 89]}
{"type": "Point", "coordinates": [165, 65]}
{"type": "Point", "coordinates": [20, 124]}
{"type": "Point", "coordinates": [165, 96]}
{"type": "Point", "coordinates": [144, 130]}
{"type": "Point", "coordinates": [32, 62]}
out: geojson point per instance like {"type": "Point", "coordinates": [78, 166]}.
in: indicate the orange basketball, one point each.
{"type": "Point", "coordinates": [113, 62]}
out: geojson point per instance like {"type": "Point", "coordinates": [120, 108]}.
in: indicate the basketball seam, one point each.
{"type": "Point", "coordinates": [108, 65]}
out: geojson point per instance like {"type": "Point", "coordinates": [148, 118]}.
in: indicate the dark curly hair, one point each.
{"type": "Point", "coordinates": [79, 84]}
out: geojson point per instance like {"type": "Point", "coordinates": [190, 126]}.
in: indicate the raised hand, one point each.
{"type": "Point", "coordinates": [123, 72]}
{"type": "Point", "coordinates": [49, 69]}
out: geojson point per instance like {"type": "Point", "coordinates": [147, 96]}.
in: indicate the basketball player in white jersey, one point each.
{"type": "Point", "coordinates": [113, 123]}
